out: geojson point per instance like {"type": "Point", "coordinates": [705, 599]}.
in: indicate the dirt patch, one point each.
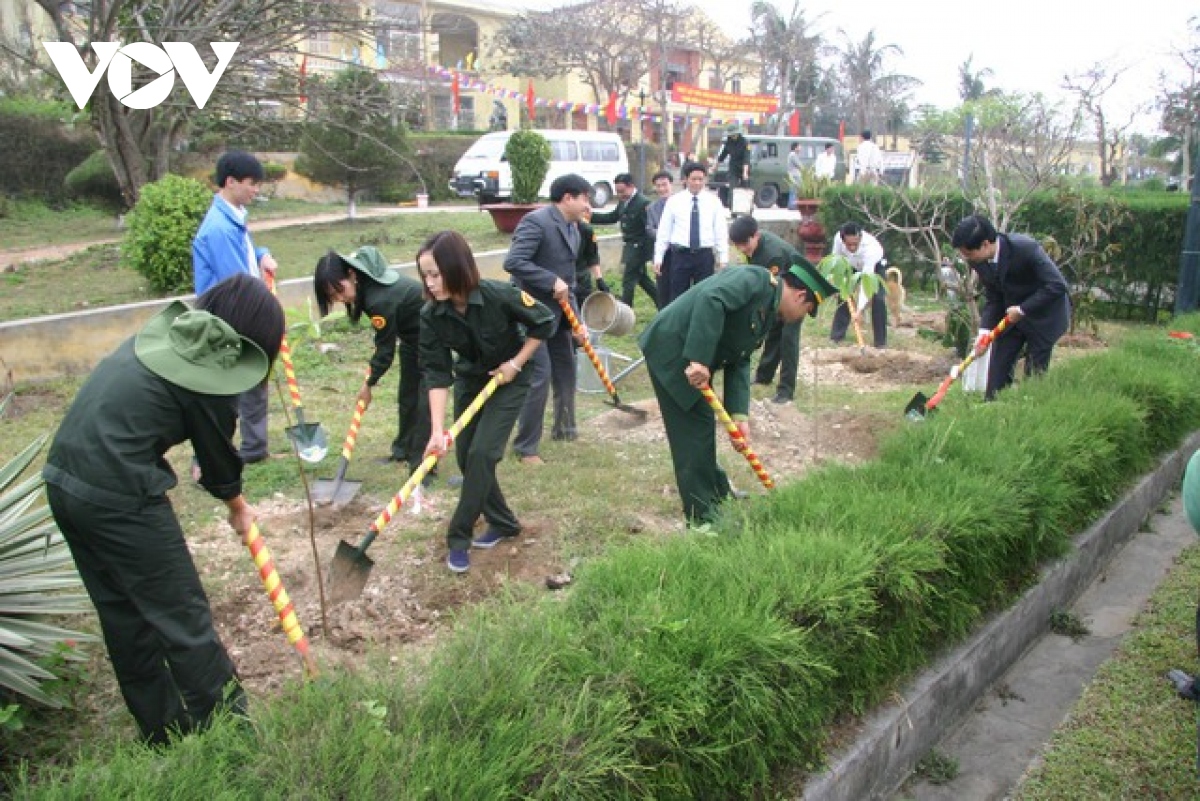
{"type": "Point", "coordinates": [869, 369]}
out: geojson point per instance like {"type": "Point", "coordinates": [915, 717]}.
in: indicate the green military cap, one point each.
{"type": "Point", "coordinates": [199, 351]}
{"type": "Point", "coordinates": [367, 259]}
{"type": "Point", "coordinates": [818, 285]}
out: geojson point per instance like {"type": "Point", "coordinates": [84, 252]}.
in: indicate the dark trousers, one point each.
{"type": "Point", "coordinates": [781, 350]}
{"type": "Point", "coordinates": [633, 261]}
{"type": "Point", "coordinates": [479, 448]}
{"type": "Point", "coordinates": [664, 281]}
{"type": "Point", "coordinates": [1006, 349]}
{"type": "Point", "coordinates": [252, 423]}
{"type": "Point", "coordinates": [690, 267]}
{"type": "Point", "coordinates": [878, 308]}
{"type": "Point", "coordinates": [553, 367]}
{"type": "Point", "coordinates": [692, 438]}
{"type": "Point", "coordinates": [172, 669]}
{"type": "Point", "coordinates": [412, 402]}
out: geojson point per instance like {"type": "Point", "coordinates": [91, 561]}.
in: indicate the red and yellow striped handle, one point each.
{"type": "Point", "coordinates": [423, 470]}
{"type": "Point", "coordinates": [279, 597]}
{"type": "Point", "coordinates": [589, 350]}
{"type": "Point", "coordinates": [980, 348]}
{"type": "Point", "coordinates": [352, 435]}
{"type": "Point", "coordinates": [285, 354]}
{"type": "Point", "coordinates": [736, 434]}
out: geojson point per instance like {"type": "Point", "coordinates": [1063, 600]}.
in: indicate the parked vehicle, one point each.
{"type": "Point", "coordinates": [599, 156]}
{"type": "Point", "coordinates": [768, 166]}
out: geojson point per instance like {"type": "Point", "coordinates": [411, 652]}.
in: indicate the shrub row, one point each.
{"type": "Point", "coordinates": [708, 667]}
{"type": "Point", "coordinates": [39, 149]}
{"type": "Point", "coordinates": [1144, 271]}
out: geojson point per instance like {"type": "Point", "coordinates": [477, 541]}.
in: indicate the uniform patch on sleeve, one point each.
{"type": "Point", "coordinates": [378, 322]}
{"type": "Point", "coordinates": [527, 299]}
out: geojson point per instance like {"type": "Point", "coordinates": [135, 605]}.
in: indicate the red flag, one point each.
{"type": "Point", "coordinates": [842, 131]}
{"type": "Point", "coordinates": [303, 75]}
{"type": "Point", "coordinates": [454, 92]}
{"type": "Point", "coordinates": [610, 111]}
{"type": "Point", "coordinates": [794, 123]}
{"type": "Point", "coordinates": [529, 100]}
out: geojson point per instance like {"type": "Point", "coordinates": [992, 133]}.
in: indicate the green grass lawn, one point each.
{"type": "Point", "coordinates": [95, 277]}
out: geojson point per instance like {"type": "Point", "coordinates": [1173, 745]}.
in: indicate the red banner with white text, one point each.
{"type": "Point", "coordinates": [726, 101]}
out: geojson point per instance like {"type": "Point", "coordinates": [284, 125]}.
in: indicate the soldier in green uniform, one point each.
{"type": "Point", "coordinates": [494, 329]}
{"type": "Point", "coordinates": [588, 275]}
{"type": "Point", "coordinates": [717, 324]}
{"type": "Point", "coordinates": [639, 247]}
{"type": "Point", "coordinates": [107, 480]}
{"type": "Point", "coordinates": [365, 283]}
{"type": "Point", "coordinates": [782, 348]}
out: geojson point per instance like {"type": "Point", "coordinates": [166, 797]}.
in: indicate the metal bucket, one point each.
{"type": "Point", "coordinates": [604, 314]}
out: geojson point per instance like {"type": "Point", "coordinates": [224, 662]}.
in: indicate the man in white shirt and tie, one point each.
{"type": "Point", "coordinates": [693, 229]}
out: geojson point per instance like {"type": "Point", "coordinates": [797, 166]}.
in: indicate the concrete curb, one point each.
{"type": "Point", "coordinates": [895, 738]}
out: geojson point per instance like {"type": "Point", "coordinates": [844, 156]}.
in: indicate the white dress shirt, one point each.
{"type": "Point", "coordinates": [826, 165]}
{"type": "Point", "coordinates": [675, 226]}
{"type": "Point", "coordinates": [865, 259]}
{"type": "Point", "coordinates": [870, 158]}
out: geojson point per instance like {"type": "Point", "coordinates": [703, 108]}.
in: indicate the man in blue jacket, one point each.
{"type": "Point", "coordinates": [223, 248]}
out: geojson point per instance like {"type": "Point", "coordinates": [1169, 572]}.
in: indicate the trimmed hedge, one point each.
{"type": "Point", "coordinates": [40, 148]}
{"type": "Point", "coordinates": [711, 667]}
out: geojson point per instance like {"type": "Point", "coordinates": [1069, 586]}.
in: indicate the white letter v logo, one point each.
{"type": "Point", "coordinates": [80, 83]}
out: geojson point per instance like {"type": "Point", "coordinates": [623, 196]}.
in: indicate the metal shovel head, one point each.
{"type": "Point", "coordinates": [915, 410]}
{"type": "Point", "coordinates": [328, 491]}
{"type": "Point", "coordinates": [640, 414]}
{"type": "Point", "coordinates": [348, 573]}
{"type": "Point", "coordinates": [310, 439]}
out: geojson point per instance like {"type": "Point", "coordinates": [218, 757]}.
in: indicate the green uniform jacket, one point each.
{"type": "Point", "coordinates": [395, 314]}
{"type": "Point", "coordinates": [109, 449]}
{"type": "Point", "coordinates": [719, 322]}
{"type": "Point", "coordinates": [774, 253]}
{"type": "Point", "coordinates": [631, 214]}
{"type": "Point", "coordinates": [490, 333]}
{"type": "Point", "coordinates": [589, 249]}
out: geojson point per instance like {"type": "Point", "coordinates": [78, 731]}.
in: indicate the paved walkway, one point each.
{"type": "Point", "coordinates": [15, 256]}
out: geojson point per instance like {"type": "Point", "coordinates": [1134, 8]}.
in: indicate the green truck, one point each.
{"type": "Point", "coordinates": [768, 166]}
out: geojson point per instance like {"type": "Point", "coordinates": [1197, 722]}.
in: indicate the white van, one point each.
{"type": "Point", "coordinates": [599, 156]}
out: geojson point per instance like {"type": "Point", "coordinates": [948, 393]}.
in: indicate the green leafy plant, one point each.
{"type": "Point", "coordinates": [809, 186]}
{"type": "Point", "coordinates": [849, 283]}
{"type": "Point", "coordinates": [37, 579]}
{"type": "Point", "coordinates": [160, 229]}
{"type": "Point", "coordinates": [528, 155]}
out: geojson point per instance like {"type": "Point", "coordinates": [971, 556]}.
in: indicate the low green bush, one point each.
{"type": "Point", "coordinates": [160, 229]}
{"type": "Point", "coordinates": [94, 180]}
{"type": "Point", "coordinates": [42, 144]}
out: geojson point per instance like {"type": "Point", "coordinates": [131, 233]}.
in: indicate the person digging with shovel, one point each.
{"type": "Point", "coordinates": [365, 283]}
{"type": "Point", "coordinates": [107, 480]}
{"type": "Point", "coordinates": [494, 329]}
{"type": "Point", "coordinates": [718, 324]}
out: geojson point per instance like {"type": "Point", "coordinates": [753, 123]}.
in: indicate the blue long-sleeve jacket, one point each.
{"type": "Point", "coordinates": [219, 249]}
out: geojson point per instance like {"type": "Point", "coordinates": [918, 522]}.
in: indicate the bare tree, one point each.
{"type": "Point", "coordinates": [1090, 87]}
{"type": "Point", "coordinates": [139, 142]}
{"type": "Point", "coordinates": [724, 57]}
{"type": "Point", "coordinates": [1180, 104]}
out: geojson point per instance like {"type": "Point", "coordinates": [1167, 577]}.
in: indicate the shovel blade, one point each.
{"type": "Point", "coordinates": [330, 491]}
{"type": "Point", "coordinates": [640, 414]}
{"type": "Point", "coordinates": [311, 442]}
{"type": "Point", "coordinates": [348, 573]}
{"type": "Point", "coordinates": [915, 410]}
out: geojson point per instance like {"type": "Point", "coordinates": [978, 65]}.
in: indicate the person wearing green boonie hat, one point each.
{"type": "Point", "coordinates": [364, 282]}
{"type": "Point", "coordinates": [107, 479]}
{"type": "Point", "coordinates": [717, 325]}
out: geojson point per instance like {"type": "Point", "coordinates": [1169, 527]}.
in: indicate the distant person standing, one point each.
{"type": "Point", "coordinates": [1020, 283]}
{"type": "Point", "coordinates": [795, 169]}
{"type": "Point", "coordinates": [826, 163]}
{"type": "Point", "coordinates": [736, 149]}
{"type": "Point", "coordinates": [541, 260]}
{"type": "Point", "coordinates": [639, 247]}
{"type": "Point", "coordinates": [223, 248]}
{"type": "Point", "coordinates": [693, 230]}
{"type": "Point", "coordinates": [870, 161]}
{"type": "Point", "coordinates": [654, 212]}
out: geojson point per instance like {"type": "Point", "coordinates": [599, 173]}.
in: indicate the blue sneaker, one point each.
{"type": "Point", "coordinates": [459, 560]}
{"type": "Point", "coordinates": [489, 539]}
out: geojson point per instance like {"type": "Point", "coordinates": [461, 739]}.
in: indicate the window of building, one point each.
{"type": "Point", "coordinates": [735, 85]}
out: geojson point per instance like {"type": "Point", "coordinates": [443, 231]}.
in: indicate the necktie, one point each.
{"type": "Point", "coordinates": [573, 237]}
{"type": "Point", "coordinates": [694, 234]}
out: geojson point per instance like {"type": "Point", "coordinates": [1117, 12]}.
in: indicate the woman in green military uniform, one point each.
{"type": "Point", "coordinates": [493, 329]}
{"type": "Point", "coordinates": [107, 480]}
{"type": "Point", "coordinates": [365, 283]}
{"type": "Point", "coordinates": [717, 325]}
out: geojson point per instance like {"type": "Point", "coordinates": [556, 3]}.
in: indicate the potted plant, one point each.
{"type": "Point", "coordinates": [809, 187]}
{"type": "Point", "coordinates": [528, 155]}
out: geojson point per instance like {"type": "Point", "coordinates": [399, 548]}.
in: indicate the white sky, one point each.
{"type": "Point", "coordinates": [1028, 44]}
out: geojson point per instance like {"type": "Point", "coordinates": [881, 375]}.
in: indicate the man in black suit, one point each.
{"type": "Point", "coordinates": [541, 261]}
{"type": "Point", "coordinates": [1020, 282]}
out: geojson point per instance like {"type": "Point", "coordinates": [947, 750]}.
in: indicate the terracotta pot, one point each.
{"type": "Point", "coordinates": [507, 215]}
{"type": "Point", "coordinates": [810, 231]}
